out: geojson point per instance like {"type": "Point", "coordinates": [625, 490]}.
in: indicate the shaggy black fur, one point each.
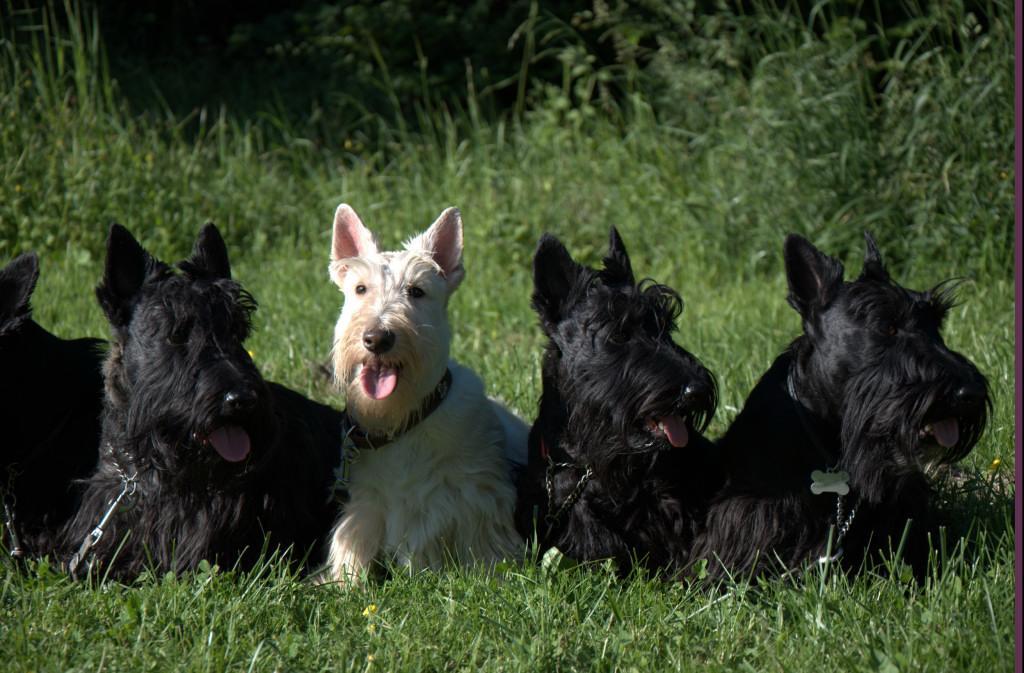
{"type": "Point", "coordinates": [611, 372]}
{"type": "Point", "coordinates": [863, 390]}
{"type": "Point", "coordinates": [52, 392]}
{"type": "Point", "coordinates": [177, 376]}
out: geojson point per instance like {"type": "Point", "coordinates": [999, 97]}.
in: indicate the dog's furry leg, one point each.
{"type": "Point", "coordinates": [491, 540]}
{"type": "Point", "coordinates": [356, 541]}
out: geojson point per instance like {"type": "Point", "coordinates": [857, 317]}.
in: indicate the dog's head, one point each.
{"type": "Point", "coordinates": [21, 350]}
{"type": "Point", "coordinates": [627, 386]}
{"type": "Point", "coordinates": [874, 358]}
{"type": "Point", "coordinates": [392, 339]}
{"type": "Point", "coordinates": [17, 281]}
{"type": "Point", "coordinates": [178, 372]}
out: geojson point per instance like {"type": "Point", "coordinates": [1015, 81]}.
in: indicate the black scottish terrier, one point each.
{"type": "Point", "coordinates": [52, 392]}
{"type": "Point", "coordinates": [200, 457]}
{"type": "Point", "coordinates": [827, 460]}
{"type": "Point", "coordinates": [617, 467]}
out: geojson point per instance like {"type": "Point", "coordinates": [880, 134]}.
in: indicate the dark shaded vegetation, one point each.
{"type": "Point", "coordinates": [741, 121]}
{"type": "Point", "coordinates": [346, 67]}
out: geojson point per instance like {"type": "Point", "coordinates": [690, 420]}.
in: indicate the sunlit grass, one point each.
{"type": "Point", "coordinates": [702, 199]}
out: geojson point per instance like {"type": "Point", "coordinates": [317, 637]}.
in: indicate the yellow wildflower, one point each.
{"type": "Point", "coordinates": [370, 609]}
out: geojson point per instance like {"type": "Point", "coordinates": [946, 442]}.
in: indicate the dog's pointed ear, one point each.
{"type": "Point", "coordinates": [17, 281]}
{"type": "Point", "coordinates": [443, 242]}
{"type": "Point", "coordinates": [209, 255]}
{"type": "Point", "coordinates": [125, 271]}
{"type": "Point", "coordinates": [554, 275]}
{"type": "Point", "coordinates": [617, 267]}
{"type": "Point", "coordinates": [874, 268]}
{"type": "Point", "coordinates": [349, 238]}
{"type": "Point", "coordinates": [814, 278]}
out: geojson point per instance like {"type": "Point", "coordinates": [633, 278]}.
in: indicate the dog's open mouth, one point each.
{"type": "Point", "coordinates": [671, 428]}
{"type": "Point", "coordinates": [378, 379]}
{"type": "Point", "coordinates": [231, 442]}
{"type": "Point", "coordinates": [945, 432]}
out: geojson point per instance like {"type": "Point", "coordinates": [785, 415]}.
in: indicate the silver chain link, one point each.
{"type": "Point", "coordinates": [128, 487]}
{"type": "Point", "coordinates": [842, 526]}
{"type": "Point", "coordinates": [10, 513]}
{"type": "Point", "coordinates": [551, 518]}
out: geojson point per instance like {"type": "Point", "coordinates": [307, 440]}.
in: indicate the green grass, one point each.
{"type": "Point", "coordinates": [523, 619]}
{"type": "Point", "coordinates": [583, 620]}
{"type": "Point", "coordinates": [702, 197]}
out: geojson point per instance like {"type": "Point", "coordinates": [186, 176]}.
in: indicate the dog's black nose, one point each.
{"type": "Point", "coordinates": [240, 400]}
{"type": "Point", "coordinates": [695, 393]}
{"type": "Point", "coordinates": [378, 341]}
{"type": "Point", "coordinates": [970, 395]}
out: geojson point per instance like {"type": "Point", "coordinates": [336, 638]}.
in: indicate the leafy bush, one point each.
{"type": "Point", "coordinates": [737, 125]}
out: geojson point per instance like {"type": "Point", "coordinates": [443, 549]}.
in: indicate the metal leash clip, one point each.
{"type": "Point", "coordinates": [16, 551]}
{"type": "Point", "coordinates": [128, 487]}
{"type": "Point", "coordinates": [842, 526]}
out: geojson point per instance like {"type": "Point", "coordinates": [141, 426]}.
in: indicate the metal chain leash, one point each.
{"type": "Point", "coordinates": [128, 487]}
{"type": "Point", "coordinates": [843, 522]}
{"type": "Point", "coordinates": [842, 526]}
{"type": "Point", "coordinates": [551, 518]}
{"type": "Point", "coordinates": [10, 514]}
{"type": "Point", "coordinates": [16, 550]}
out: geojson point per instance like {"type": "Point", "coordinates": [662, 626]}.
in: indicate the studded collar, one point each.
{"type": "Point", "coordinates": [363, 440]}
{"type": "Point", "coordinates": [843, 519]}
{"type": "Point", "coordinates": [830, 459]}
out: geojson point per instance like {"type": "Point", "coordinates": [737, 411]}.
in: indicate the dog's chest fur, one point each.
{"type": "Point", "coordinates": [422, 488]}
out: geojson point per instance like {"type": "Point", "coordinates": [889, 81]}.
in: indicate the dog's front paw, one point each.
{"type": "Point", "coordinates": [353, 548]}
{"type": "Point", "coordinates": [343, 576]}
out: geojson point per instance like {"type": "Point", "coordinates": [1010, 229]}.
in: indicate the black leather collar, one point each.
{"type": "Point", "coordinates": [363, 440]}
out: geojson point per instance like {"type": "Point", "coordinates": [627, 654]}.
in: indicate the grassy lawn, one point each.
{"type": "Point", "coordinates": [524, 619]}
{"type": "Point", "coordinates": [703, 205]}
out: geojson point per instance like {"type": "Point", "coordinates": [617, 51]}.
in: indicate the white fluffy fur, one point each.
{"type": "Point", "coordinates": [442, 490]}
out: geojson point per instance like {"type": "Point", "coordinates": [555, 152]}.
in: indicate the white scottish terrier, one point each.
{"type": "Point", "coordinates": [427, 453]}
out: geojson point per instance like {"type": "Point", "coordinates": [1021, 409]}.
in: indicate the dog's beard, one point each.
{"type": "Point", "coordinates": [630, 429]}
{"type": "Point", "coordinates": [382, 392]}
{"type": "Point", "coordinates": [186, 429]}
{"type": "Point", "coordinates": [903, 429]}
{"type": "Point", "coordinates": [631, 404]}
{"type": "Point", "coordinates": [226, 445]}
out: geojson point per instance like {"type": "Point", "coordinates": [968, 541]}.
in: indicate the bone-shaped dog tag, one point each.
{"type": "Point", "coordinates": [830, 482]}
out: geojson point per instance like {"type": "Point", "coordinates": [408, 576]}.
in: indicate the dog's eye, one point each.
{"type": "Point", "coordinates": [890, 330]}
{"type": "Point", "coordinates": [415, 292]}
{"type": "Point", "coordinates": [616, 335]}
{"type": "Point", "coordinates": [179, 335]}
{"type": "Point", "coordinates": [360, 289]}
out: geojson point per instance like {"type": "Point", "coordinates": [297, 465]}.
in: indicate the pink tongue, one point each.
{"type": "Point", "coordinates": [947, 432]}
{"type": "Point", "coordinates": [675, 431]}
{"type": "Point", "coordinates": [231, 442]}
{"type": "Point", "coordinates": [378, 381]}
